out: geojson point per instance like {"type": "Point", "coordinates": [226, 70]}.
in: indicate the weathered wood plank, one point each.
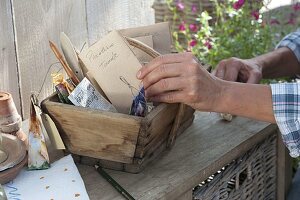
{"type": "Point", "coordinates": [104, 135]}
{"type": "Point", "coordinates": [205, 147]}
{"type": "Point", "coordinates": [186, 196]}
{"type": "Point", "coordinates": [139, 164]}
{"type": "Point", "coordinates": [160, 134]}
{"type": "Point", "coordinates": [36, 22]}
{"type": "Point", "coordinates": [106, 15]}
{"type": "Point", "coordinates": [154, 152]}
{"type": "Point", "coordinates": [156, 121]}
{"type": "Point", "coordinates": [8, 65]}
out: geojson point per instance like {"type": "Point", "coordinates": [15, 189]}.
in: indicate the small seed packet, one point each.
{"type": "Point", "coordinates": [38, 157]}
{"type": "Point", "coordinates": [62, 87]}
{"type": "Point", "coordinates": [85, 95]}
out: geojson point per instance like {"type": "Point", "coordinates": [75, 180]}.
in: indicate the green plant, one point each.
{"type": "Point", "coordinates": [238, 29]}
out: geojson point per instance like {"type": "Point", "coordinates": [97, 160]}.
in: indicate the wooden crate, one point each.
{"type": "Point", "coordinates": [115, 140]}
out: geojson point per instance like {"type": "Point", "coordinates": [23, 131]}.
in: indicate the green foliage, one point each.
{"type": "Point", "coordinates": [235, 31]}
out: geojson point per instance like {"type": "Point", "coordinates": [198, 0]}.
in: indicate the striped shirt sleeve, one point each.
{"type": "Point", "coordinates": [292, 41]}
{"type": "Point", "coordinates": [286, 108]}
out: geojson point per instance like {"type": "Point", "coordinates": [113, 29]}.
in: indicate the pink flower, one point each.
{"type": "Point", "coordinates": [194, 8]}
{"type": "Point", "coordinates": [296, 7]}
{"type": "Point", "coordinates": [255, 14]}
{"type": "Point", "coordinates": [274, 21]}
{"type": "Point", "coordinates": [237, 5]}
{"type": "Point", "coordinates": [208, 44]}
{"type": "Point", "coordinates": [193, 27]}
{"type": "Point", "coordinates": [292, 20]}
{"type": "Point", "coordinates": [180, 6]}
{"type": "Point", "coordinates": [182, 26]}
{"type": "Point", "coordinates": [193, 43]}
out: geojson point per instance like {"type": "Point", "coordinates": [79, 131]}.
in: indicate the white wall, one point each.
{"type": "Point", "coordinates": [27, 26]}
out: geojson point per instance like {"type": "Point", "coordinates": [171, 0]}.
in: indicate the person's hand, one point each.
{"type": "Point", "coordinates": [235, 69]}
{"type": "Point", "coordinates": [178, 78]}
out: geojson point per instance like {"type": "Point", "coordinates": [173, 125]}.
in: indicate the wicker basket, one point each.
{"type": "Point", "coordinates": [119, 141]}
{"type": "Point", "coordinates": [252, 176]}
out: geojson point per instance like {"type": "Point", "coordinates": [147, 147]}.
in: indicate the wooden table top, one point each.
{"type": "Point", "coordinates": [204, 148]}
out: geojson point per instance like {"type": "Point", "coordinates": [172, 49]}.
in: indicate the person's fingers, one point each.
{"type": "Point", "coordinates": [254, 77]}
{"type": "Point", "coordinates": [170, 97]}
{"type": "Point", "coordinates": [163, 71]}
{"type": "Point", "coordinates": [220, 70]}
{"type": "Point", "coordinates": [165, 85]}
{"type": "Point", "coordinates": [231, 73]}
{"type": "Point", "coordinates": [163, 59]}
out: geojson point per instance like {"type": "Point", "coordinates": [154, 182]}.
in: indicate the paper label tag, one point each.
{"type": "Point", "coordinates": [85, 95]}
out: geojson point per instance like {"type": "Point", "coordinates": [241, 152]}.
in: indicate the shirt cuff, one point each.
{"type": "Point", "coordinates": [286, 108]}
{"type": "Point", "coordinates": [292, 41]}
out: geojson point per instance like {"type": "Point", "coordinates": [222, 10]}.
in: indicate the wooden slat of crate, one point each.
{"type": "Point", "coordinates": [154, 123]}
{"type": "Point", "coordinates": [154, 151]}
{"type": "Point", "coordinates": [154, 148]}
{"type": "Point", "coordinates": [160, 133]}
{"type": "Point", "coordinates": [142, 150]}
{"type": "Point", "coordinates": [119, 145]}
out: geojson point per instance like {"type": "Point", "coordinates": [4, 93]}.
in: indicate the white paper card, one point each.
{"type": "Point", "coordinates": [61, 181]}
{"type": "Point", "coordinates": [85, 95]}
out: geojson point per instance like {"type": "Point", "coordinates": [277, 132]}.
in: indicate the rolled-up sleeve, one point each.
{"type": "Point", "coordinates": [292, 41]}
{"type": "Point", "coordinates": [286, 108]}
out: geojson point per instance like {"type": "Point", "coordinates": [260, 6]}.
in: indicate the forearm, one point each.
{"type": "Point", "coordinates": [281, 62]}
{"type": "Point", "coordinates": [248, 100]}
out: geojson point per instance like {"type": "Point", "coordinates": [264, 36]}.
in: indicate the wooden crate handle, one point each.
{"type": "Point", "coordinates": [143, 47]}
{"type": "Point", "coordinates": [176, 125]}
{"type": "Point", "coordinates": [179, 116]}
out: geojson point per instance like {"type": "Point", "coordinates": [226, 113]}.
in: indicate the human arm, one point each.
{"type": "Point", "coordinates": [284, 61]}
{"type": "Point", "coordinates": [180, 78]}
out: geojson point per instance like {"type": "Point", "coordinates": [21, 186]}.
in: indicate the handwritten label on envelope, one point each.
{"type": "Point", "coordinates": [110, 60]}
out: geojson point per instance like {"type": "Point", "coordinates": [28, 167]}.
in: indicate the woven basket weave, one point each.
{"type": "Point", "coordinates": [252, 176]}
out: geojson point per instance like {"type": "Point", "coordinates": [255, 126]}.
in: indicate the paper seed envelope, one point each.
{"type": "Point", "coordinates": [160, 33]}
{"type": "Point", "coordinates": [111, 61]}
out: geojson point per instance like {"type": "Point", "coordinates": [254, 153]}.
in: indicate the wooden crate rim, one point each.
{"type": "Point", "coordinates": [156, 110]}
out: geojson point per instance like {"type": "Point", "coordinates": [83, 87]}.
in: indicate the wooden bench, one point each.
{"type": "Point", "coordinates": [207, 146]}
